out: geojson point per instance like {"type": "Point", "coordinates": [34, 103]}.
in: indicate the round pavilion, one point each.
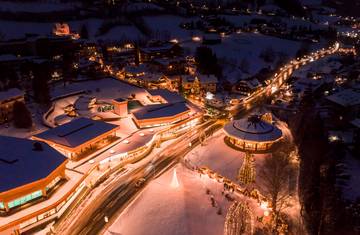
{"type": "Point", "coordinates": [252, 134]}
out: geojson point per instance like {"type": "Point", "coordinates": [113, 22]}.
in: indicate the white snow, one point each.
{"type": "Point", "coordinates": [40, 6]}
{"type": "Point", "coordinates": [185, 210]}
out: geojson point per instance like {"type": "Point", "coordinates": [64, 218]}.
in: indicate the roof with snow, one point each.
{"type": "Point", "coordinates": [160, 110]}
{"type": "Point", "coordinates": [202, 78]}
{"type": "Point", "coordinates": [10, 94]}
{"type": "Point", "coordinates": [21, 163]}
{"type": "Point", "coordinates": [345, 98]}
{"type": "Point", "coordinates": [253, 129]}
{"type": "Point", "coordinates": [356, 122]}
{"type": "Point", "coordinates": [207, 78]}
{"type": "Point", "coordinates": [169, 96]}
{"type": "Point", "coordinates": [136, 69]}
{"type": "Point", "coordinates": [150, 77]}
{"type": "Point", "coordinates": [76, 132]}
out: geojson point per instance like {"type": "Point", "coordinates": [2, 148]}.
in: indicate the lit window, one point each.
{"type": "Point", "coordinates": [25, 199]}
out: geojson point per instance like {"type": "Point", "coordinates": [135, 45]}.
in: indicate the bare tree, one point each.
{"type": "Point", "coordinates": [275, 179]}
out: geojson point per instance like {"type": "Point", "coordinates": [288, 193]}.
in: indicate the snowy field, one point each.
{"type": "Point", "coordinates": [163, 209]}
{"type": "Point", "coordinates": [169, 24]}
{"type": "Point", "coordinates": [221, 158]}
{"type": "Point", "coordinates": [39, 7]}
{"type": "Point", "coordinates": [19, 29]}
{"type": "Point", "coordinates": [247, 46]}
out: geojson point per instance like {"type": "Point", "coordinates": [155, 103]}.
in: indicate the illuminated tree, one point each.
{"type": "Point", "coordinates": [275, 179]}
{"type": "Point", "coordinates": [247, 172]}
{"type": "Point", "coordinates": [196, 86]}
{"type": "Point", "coordinates": [238, 220]}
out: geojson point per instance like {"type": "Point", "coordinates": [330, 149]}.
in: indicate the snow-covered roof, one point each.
{"type": "Point", "coordinates": [8, 57]}
{"type": "Point", "coordinates": [211, 36]}
{"type": "Point", "coordinates": [253, 129]}
{"type": "Point", "coordinates": [136, 69]}
{"type": "Point", "coordinates": [10, 94]}
{"type": "Point", "coordinates": [356, 122]}
{"type": "Point", "coordinates": [76, 132]}
{"type": "Point", "coordinates": [202, 78]}
{"type": "Point", "coordinates": [207, 78]}
{"type": "Point", "coordinates": [150, 77]}
{"type": "Point", "coordinates": [169, 96]}
{"type": "Point", "coordinates": [161, 48]}
{"type": "Point", "coordinates": [345, 98]}
{"type": "Point", "coordinates": [160, 110]}
{"type": "Point", "coordinates": [21, 163]}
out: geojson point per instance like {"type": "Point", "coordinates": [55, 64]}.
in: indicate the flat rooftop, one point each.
{"type": "Point", "coordinates": [345, 98]}
{"type": "Point", "coordinates": [21, 163]}
{"type": "Point", "coordinates": [169, 96]}
{"type": "Point", "coordinates": [76, 132]}
{"type": "Point", "coordinates": [160, 110]}
{"type": "Point", "coordinates": [9, 94]}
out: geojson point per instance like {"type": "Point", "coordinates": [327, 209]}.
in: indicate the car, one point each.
{"type": "Point", "coordinates": [140, 182]}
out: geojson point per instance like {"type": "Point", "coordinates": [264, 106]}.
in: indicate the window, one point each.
{"type": "Point", "coordinates": [2, 205]}
{"type": "Point", "coordinates": [25, 199]}
{"type": "Point", "coordinates": [53, 183]}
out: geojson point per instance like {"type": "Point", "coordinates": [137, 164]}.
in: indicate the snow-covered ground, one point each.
{"type": "Point", "coordinates": [164, 209]}
{"type": "Point", "coordinates": [169, 24]}
{"type": "Point", "coordinates": [38, 7]}
{"type": "Point", "coordinates": [219, 157]}
{"type": "Point", "coordinates": [122, 33]}
{"type": "Point", "coordinates": [248, 46]}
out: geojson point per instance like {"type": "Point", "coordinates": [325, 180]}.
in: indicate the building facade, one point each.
{"type": "Point", "coordinates": [7, 100]}
{"type": "Point", "coordinates": [79, 137]}
{"type": "Point", "coordinates": [252, 134]}
{"type": "Point", "coordinates": [30, 171]}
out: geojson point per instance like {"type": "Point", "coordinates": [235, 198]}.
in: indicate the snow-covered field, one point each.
{"type": "Point", "coordinates": [169, 24]}
{"type": "Point", "coordinates": [164, 209]}
{"type": "Point", "coordinates": [40, 6]}
{"type": "Point", "coordinates": [219, 157]}
{"type": "Point", "coordinates": [19, 29]}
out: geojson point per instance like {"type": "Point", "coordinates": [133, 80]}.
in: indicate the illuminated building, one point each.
{"type": "Point", "coordinates": [61, 29]}
{"type": "Point", "coordinates": [120, 107]}
{"type": "Point", "coordinates": [30, 170]}
{"type": "Point", "coordinates": [160, 114]}
{"type": "Point", "coordinates": [7, 100]}
{"type": "Point", "coordinates": [79, 137]}
{"type": "Point", "coordinates": [252, 134]}
{"type": "Point", "coordinates": [203, 82]}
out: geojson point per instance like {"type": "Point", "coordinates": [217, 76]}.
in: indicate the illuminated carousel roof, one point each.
{"type": "Point", "coordinates": [254, 129]}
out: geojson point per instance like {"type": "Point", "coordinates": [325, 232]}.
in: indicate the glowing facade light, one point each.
{"type": "Point", "coordinates": [273, 89]}
{"type": "Point", "coordinates": [196, 39]}
{"type": "Point", "coordinates": [174, 40]}
{"type": "Point", "coordinates": [209, 95]}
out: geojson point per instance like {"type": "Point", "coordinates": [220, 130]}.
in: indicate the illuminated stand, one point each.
{"type": "Point", "coordinates": [247, 172]}
{"type": "Point", "coordinates": [174, 182]}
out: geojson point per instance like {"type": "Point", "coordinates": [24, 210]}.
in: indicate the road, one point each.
{"type": "Point", "coordinates": [284, 73]}
{"type": "Point", "coordinates": [122, 191]}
